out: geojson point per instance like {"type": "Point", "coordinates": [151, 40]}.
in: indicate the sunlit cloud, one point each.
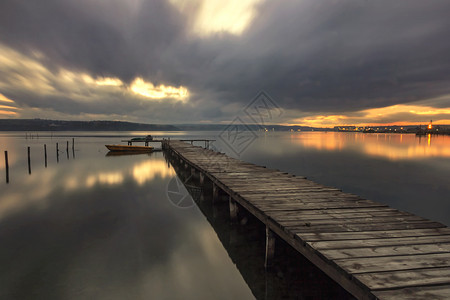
{"type": "Point", "coordinates": [32, 82]}
{"type": "Point", "coordinates": [5, 106]}
{"type": "Point", "coordinates": [147, 89]}
{"type": "Point", "coordinates": [401, 114]}
{"type": "Point", "coordinates": [3, 98]}
{"type": "Point", "coordinates": [8, 107]}
{"type": "Point", "coordinates": [109, 81]}
{"type": "Point", "coordinates": [212, 16]}
{"type": "Point", "coordinates": [7, 112]}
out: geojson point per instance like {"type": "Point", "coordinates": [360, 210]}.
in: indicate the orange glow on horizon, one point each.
{"type": "Point", "coordinates": [375, 117]}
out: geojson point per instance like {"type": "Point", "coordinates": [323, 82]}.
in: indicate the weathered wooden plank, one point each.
{"type": "Point", "coordinates": [275, 189]}
{"type": "Point", "coordinates": [393, 263]}
{"type": "Point", "coordinates": [381, 234]}
{"type": "Point", "coordinates": [361, 227]}
{"type": "Point", "coordinates": [333, 211]}
{"type": "Point", "coordinates": [300, 194]}
{"type": "Point", "coordinates": [433, 247]}
{"type": "Point", "coordinates": [402, 279]}
{"type": "Point", "coordinates": [302, 216]}
{"type": "Point", "coordinates": [366, 241]}
{"type": "Point", "coordinates": [367, 220]}
{"type": "Point", "coordinates": [309, 199]}
{"type": "Point", "coordinates": [416, 293]}
{"type": "Point", "coordinates": [312, 205]}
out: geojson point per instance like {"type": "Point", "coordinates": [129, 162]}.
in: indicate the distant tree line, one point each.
{"type": "Point", "coordinates": [56, 125]}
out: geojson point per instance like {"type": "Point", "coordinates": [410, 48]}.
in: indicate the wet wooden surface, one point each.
{"type": "Point", "coordinates": [372, 250]}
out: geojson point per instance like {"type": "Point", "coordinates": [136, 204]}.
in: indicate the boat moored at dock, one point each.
{"type": "Point", "coordinates": [127, 148]}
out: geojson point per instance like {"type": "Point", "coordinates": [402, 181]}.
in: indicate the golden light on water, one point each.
{"type": "Point", "coordinates": [390, 146]}
{"type": "Point", "coordinates": [107, 178]}
{"type": "Point", "coordinates": [141, 173]}
{"type": "Point", "coordinates": [149, 170]}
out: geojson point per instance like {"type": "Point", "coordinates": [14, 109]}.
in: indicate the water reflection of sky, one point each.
{"type": "Point", "coordinates": [391, 146]}
{"type": "Point", "coordinates": [401, 170]}
{"type": "Point", "coordinates": [100, 227]}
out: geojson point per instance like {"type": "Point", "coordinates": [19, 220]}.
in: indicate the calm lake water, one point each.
{"type": "Point", "coordinates": [93, 226]}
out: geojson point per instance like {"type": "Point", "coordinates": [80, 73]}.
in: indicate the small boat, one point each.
{"type": "Point", "coordinates": [125, 148]}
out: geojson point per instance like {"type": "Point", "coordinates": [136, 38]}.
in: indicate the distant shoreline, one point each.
{"type": "Point", "coordinates": [54, 126]}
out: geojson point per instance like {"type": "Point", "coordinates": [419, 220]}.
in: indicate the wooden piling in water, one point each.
{"type": "Point", "coordinates": [270, 248]}
{"type": "Point", "coordinates": [233, 209]}
{"type": "Point", "coordinates": [57, 153]}
{"type": "Point", "coordinates": [215, 197]}
{"type": "Point", "coordinates": [29, 161]}
{"type": "Point", "coordinates": [7, 166]}
{"type": "Point", "coordinates": [45, 155]}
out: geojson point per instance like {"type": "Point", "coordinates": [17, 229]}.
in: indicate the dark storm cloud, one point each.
{"type": "Point", "coordinates": [323, 56]}
{"type": "Point", "coordinates": [104, 37]}
{"type": "Point", "coordinates": [344, 55]}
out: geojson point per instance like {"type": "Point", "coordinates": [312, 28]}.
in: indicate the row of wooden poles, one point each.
{"type": "Point", "coordinates": [45, 157]}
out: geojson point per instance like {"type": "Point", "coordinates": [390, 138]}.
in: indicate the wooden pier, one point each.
{"type": "Point", "coordinates": [370, 249]}
{"type": "Point", "coordinates": [147, 141]}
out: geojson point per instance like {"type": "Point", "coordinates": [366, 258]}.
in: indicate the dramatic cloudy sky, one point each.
{"type": "Point", "coordinates": [324, 62]}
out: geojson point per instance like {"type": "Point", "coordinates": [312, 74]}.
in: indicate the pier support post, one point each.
{"type": "Point", "coordinates": [29, 161]}
{"type": "Point", "coordinates": [57, 153]}
{"type": "Point", "coordinates": [192, 171]}
{"type": "Point", "coordinates": [233, 209]}
{"type": "Point", "coordinates": [45, 155]}
{"type": "Point", "coordinates": [215, 193]}
{"type": "Point", "coordinates": [270, 248]}
{"type": "Point", "coordinates": [202, 178]}
{"type": "Point", "coordinates": [7, 166]}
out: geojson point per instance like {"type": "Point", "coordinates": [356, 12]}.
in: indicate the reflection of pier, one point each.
{"type": "Point", "coordinates": [371, 250]}
{"type": "Point", "coordinates": [293, 277]}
